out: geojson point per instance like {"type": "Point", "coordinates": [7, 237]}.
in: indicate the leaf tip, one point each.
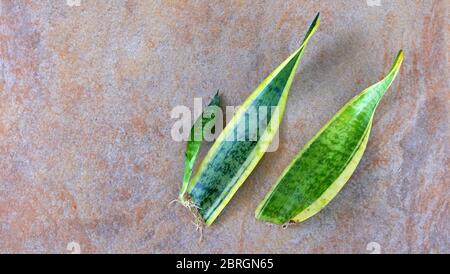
{"type": "Point", "coordinates": [317, 18]}
{"type": "Point", "coordinates": [312, 28]}
{"type": "Point", "coordinates": [400, 55]}
{"type": "Point", "coordinates": [215, 101]}
{"type": "Point", "coordinates": [398, 62]}
{"type": "Point", "coordinates": [316, 21]}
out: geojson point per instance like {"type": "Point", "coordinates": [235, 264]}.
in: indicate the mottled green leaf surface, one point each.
{"type": "Point", "coordinates": [195, 140]}
{"type": "Point", "coordinates": [230, 160]}
{"type": "Point", "coordinates": [327, 161]}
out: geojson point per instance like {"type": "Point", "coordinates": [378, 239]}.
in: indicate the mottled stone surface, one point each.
{"type": "Point", "coordinates": [86, 92]}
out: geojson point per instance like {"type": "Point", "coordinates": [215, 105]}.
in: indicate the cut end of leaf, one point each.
{"type": "Point", "coordinates": [266, 218]}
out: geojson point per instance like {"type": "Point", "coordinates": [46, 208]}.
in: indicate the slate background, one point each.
{"type": "Point", "coordinates": [86, 92]}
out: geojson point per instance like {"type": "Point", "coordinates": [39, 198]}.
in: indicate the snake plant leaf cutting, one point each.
{"type": "Point", "coordinates": [234, 154]}
{"type": "Point", "coordinates": [195, 141]}
{"type": "Point", "coordinates": [327, 161]}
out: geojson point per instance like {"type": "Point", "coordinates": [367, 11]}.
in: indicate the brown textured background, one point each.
{"type": "Point", "coordinates": [85, 98]}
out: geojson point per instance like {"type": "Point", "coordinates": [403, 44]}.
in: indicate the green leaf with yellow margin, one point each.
{"type": "Point", "coordinates": [327, 161]}
{"type": "Point", "coordinates": [196, 137]}
{"type": "Point", "coordinates": [231, 159]}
